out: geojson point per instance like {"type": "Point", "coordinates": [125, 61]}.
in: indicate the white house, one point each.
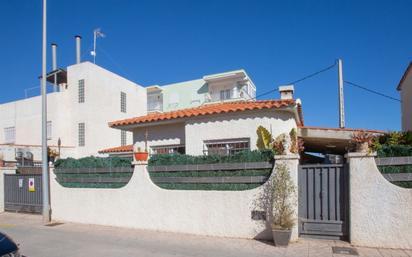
{"type": "Point", "coordinates": [88, 97]}
{"type": "Point", "coordinates": [218, 128]}
{"type": "Point", "coordinates": [405, 89]}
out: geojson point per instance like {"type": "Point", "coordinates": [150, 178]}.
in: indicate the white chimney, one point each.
{"type": "Point", "coordinates": [78, 38]}
{"type": "Point", "coordinates": [286, 92]}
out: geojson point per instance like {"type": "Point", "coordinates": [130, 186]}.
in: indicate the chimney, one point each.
{"type": "Point", "coordinates": [78, 39]}
{"type": "Point", "coordinates": [54, 65]}
{"type": "Point", "coordinates": [286, 92]}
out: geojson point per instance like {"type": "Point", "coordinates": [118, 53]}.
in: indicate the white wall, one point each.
{"type": "Point", "coordinates": [167, 134]}
{"type": "Point", "coordinates": [235, 125]}
{"type": "Point", "coordinates": [143, 205]}
{"type": "Point", "coordinates": [380, 212]}
{"type": "Point", "coordinates": [406, 105]}
{"type": "Point", "coordinates": [102, 105]}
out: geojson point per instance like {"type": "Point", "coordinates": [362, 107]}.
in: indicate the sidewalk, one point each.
{"type": "Point", "coordinates": [69, 239]}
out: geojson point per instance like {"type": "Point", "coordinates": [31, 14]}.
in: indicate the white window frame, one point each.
{"type": "Point", "coordinates": [225, 94]}
{"type": "Point", "coordinates": [10, 135]}
{"type": "Point", "coordinates": [123, 102]}
{"type": "Point", "coordinates": [123, 137]}
{"type": "Point", "coordinates": [81, 134]}
{"type": "Point", "coordinates": [81, 91]}
{"type": "Point", "coordinates": [49, 130]}
{"type": "Point", "coordinates": [166, 149]}
{"type": "Point", "coordinates": [228, 146]}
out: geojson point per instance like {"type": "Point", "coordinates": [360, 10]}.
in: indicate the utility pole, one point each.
{"type": "Point", "coordinates": [341, 98]}
{"type": "Point", "coordinates": [45, 168]}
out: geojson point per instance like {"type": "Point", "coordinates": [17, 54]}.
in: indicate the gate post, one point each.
{"type": "Point", "coordinates": [292, 162]}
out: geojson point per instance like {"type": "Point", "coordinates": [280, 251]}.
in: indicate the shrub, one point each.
{"type": "Point", "coordinates": [394, 150]}
{"type": "Point", "coordinates": [181, 159]}
{"type": "Point", "coordinates": [93, 162]}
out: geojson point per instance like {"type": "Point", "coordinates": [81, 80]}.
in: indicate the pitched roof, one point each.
{"type": "Point", "coordinates": [208, 109]}
{"type": "Point", "coordinates": [118, 149]}
{"type": "Point", "coordinates": [399, 87]}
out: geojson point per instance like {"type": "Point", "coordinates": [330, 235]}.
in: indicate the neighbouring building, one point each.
{"type": "Point", "coordinates": [405, 89]}
{"type": "Point", "coordinates": [88, 97]}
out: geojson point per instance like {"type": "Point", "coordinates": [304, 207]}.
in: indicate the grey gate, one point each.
{"type": "Point", "coordinates": [19, 197]}
{"type": "Point", "coordinates": [323, 201]}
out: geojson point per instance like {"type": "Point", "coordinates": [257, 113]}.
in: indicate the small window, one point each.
{"type": "Point", "coordinates": [123, 102]}
{"type": "Point", "coordinates": [123, 138]}
{"type": "Point", "coordinates": [81, 91]}
{"type": "Point", "coordinates": [82, 128]}
{"type": "Point", "coordinates": [225, 94]}
{"type": "Point", "coordinates": [49, 130]}
{"type": "Point", "coordinates": [168, 149]}
{"type": "Point", "coordinates": [9, 135]}
{"type": "Point", "coordinates": [226, 147]}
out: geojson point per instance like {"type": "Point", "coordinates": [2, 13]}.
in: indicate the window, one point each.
{"type": "Point", "coordinates": [225, 94]}
{"type": "Point", "coordinates": [226, 147]}
{"type": "Point", "coordinates": [9, 135]}
{"type": "Point", "coordinates": [168, 149]}
{"type": "Point", "coordinates": [82, 128]}
{"type": "Point", "coordinates": [49, 130]}
{"type": "Point", "coordinates": [154, 102]}
{"type": "Point", "coordinates": [123, 138]}
{"type": "Point", "coordinates": [81, 91]}
{"type": "Point", "coordinates": [122, 101]}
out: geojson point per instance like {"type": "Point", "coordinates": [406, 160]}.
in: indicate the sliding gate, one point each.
{"type": "Point", "coordinates": [23, 193]}
{"type": "Point", "coordinates": [323, 201]}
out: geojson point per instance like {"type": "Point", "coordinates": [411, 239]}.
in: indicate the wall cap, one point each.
{"type": "Point", "coordinates": [287, 157]}
{"type": "Point", "coordinates": [139, 162]}
{"type": "Point", "coordinates": [361, 155]}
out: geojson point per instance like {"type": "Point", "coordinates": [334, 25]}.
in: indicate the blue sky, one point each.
{"type": "Point", "coordinates": [161, 42]}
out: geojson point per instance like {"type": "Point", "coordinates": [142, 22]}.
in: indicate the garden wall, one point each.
{"type": "Point", "coordinates": [143, 205]}
{"type": "Point", "coordinates": [380, 212]}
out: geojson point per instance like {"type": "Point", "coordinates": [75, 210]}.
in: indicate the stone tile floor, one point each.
{"type": "Point", "coordinates": [70, 239]}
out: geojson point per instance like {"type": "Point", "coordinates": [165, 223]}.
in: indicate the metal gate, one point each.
{"type": "Point", "coordinates": [323, 201]}
{"type": "Point", "coordinates": [19, 196]}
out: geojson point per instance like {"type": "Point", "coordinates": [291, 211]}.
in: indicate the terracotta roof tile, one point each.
{"type": "Point", "coordinates": [118, 149]}
{"type": "Point", "coordinates": [209, 109]}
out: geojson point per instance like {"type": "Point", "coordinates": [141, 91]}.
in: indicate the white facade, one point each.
{"type": "Point", "coordinates": [102, 103]}
{"type": "Point", "coordinates": [405, 88]}
{"type": "Point", "coordinates": [195, 133]}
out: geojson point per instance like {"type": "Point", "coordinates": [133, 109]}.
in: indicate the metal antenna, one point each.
{"type": "Point", "coordinates": [96, 33]}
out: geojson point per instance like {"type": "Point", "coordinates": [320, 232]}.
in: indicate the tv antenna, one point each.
{"type": "Point", "coordinates": [96, 33]}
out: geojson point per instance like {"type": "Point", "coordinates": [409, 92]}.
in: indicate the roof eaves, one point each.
{"type": "Point", "coordinates": [399, 87]}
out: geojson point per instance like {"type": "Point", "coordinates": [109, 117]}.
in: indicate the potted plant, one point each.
{"type": "Point", "coordinates": [283, 201]}
{"type": "Point", "coordinates": [51, 154]}
{"type": "Point", "coordinates": [140, 155]}
{"type": "Point", "coordinates": [362, 141]}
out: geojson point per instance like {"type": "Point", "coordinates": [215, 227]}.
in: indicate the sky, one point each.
{"type": "Point", "coordinates": [276, 42]}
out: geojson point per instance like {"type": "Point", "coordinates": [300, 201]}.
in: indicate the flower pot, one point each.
{"type": "Point", "coordinates": [362, 147]}
{"type": "Point", "coordinates": [141, 156]}
{"type": "Point", "coordinates": [281, 237]}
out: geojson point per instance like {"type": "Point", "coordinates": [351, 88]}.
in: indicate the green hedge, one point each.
{"type": "Point", "coordinates": [394, 150]}
{"type": "Point", "coordinates": [93, 162]}
{"type": "Point", "coordinates": [223, 173]}
{"type": "Point", "coordinates": [180, 159]}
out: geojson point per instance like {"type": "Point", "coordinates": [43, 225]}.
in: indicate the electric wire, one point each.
{"type": "Point", "coordinates": [371, 91]}
{"type": "Point", "coordinates": [299, 80]}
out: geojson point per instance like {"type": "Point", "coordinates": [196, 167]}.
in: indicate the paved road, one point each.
{"type": "Point", "coordinates": [77, 240]}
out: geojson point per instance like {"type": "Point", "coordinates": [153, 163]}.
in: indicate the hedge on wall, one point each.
{"type": "Point", "coordinates": [180, 159]}
{"type": "Point", "coordinates": [394, 150]}
{"type": "Point", "coordinates": [93, 162]}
